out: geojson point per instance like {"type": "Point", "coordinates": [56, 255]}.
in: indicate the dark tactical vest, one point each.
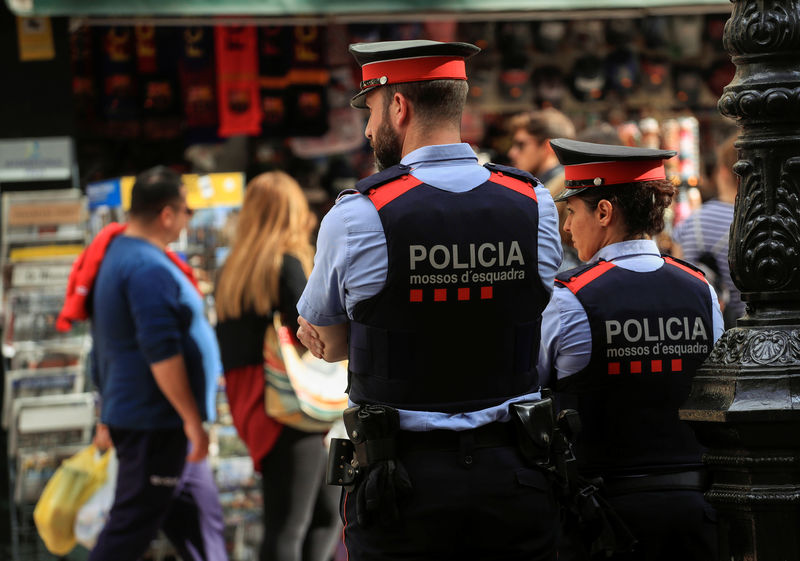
{"type": "Point", "coordinates": [650, 332]}
{"type": "Point", "coordinates": [456, 327]}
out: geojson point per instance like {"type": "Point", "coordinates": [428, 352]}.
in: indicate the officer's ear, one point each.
{"type": "Point", "coordinates": [400, 109]}
{"type": "Point", "coordinates": [604, 212]}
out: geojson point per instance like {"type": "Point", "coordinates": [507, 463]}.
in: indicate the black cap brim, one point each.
{"type": "Point", "coordinates": [567, 193]}
{"type": "Point", "coordinates": [359, 101]}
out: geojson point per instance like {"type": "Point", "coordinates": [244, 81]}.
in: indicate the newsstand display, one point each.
{"type": "Point", "coordinates": [47, 414]}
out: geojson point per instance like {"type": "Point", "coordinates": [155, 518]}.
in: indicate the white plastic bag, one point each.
{"type": "Point", "coordinates": [93, 514]}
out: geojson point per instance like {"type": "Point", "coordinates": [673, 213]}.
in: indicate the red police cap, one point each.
{"type": "Point", "coordinates": [588, 165]}
{"type": "Point", "coordinates": [397, 62]}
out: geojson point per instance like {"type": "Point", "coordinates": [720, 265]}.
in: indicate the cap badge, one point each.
{"type": "Point", "coordinates": [598, 181]}
{"type": "Point", "coordinates": [374, 82]}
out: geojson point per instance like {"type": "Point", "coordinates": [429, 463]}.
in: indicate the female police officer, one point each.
{"type": "Point", "coordinates": [621, 339]}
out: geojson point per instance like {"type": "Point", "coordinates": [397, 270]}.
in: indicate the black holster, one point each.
{"type": "Point", "coordinates": [367, 463]}
{"type": "Point", "coordinates": [546, 440]}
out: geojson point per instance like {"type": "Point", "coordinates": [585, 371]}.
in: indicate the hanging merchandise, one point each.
{"type": "Point", "coordinates": [654, 72]}
{"type": "Point", "coordinates": [196, 64]}
{"type": "Point", "coordinates": [481, 34]}
{"type": "Point", "coordinates": [157, 67]}
{"type": "Point", "coordinates": [274, 47]}
{"type": "Point", "coordinates": [620, 32]}
{"type": "Point", "coordinates": [84, 94]}
{"type": "Point", "coordinates": [622, 72]}
{"type": "Point", "coordinates": [688, 81]}
{"type": "Point", "coordinates": [308, 79]}
{"type": "Point", "coordinates": [655, 31]}
{"type": "Point", "coordinates": [514, 42]}
{"type": "Point", "coordinates": [588, 35]}
{"type": "Point", "coordinates": [687, 35]}
{"type": "Point", "coordinates": [405, 32]}
{"type": "Point", "coordinates": [117, 71]}
{"type": "Point", "coordinates": [719, 75]}
{"type": "Point", "coordinates": [237, 80]}
{"type": "Point", "coordinates": [549, 88]}
{"type": "Point", "coordinates": [445, 31]}
{"type": "Point", "coordinates": [715, 29]}
{"type": "Point", "coordinates": [548, 35]}
{"type": "Point", "coordinates": [345, 126]}
{"type": "Point", "coordinates": [588, 80]}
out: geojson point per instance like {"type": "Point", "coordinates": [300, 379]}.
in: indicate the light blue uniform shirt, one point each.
{"type": "Point", "coordinates": [566, 336]}
{"type": "Point", "coordinates": [351, 263]}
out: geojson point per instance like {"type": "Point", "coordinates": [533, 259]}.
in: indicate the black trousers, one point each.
{"type": "Point", "coordinates": [466, 503]}
{"type": "Point", "coordinates": [158, 489]}
{"type": "Point", "coordinates": [669, 525]}
{"type": "Point", "coordinates": [300, 511]}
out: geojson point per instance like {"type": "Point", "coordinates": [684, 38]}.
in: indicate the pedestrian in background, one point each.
{"type": "Point", "coordinates": [156, 364]}
{"type": "Point", "coordinates": [264, 274]}
{"type": "Point", "coordinates": [704, 236]}
{"type": "Point", "coordinates": [530, 151]}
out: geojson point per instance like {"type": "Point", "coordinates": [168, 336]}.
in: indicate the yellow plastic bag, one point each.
{"type": "Point", "coordinates": [72, 484]}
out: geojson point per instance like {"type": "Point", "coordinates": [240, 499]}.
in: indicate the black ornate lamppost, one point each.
{"type": "Point", "coordinates": [745, 400]}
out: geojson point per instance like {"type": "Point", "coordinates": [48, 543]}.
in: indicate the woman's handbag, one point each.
{"type": "Point", "coordinates": [300, 390]}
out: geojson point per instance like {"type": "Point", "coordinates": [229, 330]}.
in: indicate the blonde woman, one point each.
{"type": "Point", "coordinates": [265, 273]}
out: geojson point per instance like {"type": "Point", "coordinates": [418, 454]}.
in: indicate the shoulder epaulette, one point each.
{"type": "Point", "coordinates": [686, 266]}
{"type": "Point", "coordinates": [520, 181]}
{"type": "Point", "coordinates": [382, 177]}
{"type": "Point", "coordinates": [345, 192]}
{"type": "Point", "coordinates": [578, 277]}
{"type": "Point", "coordinates": [385, 186]}
{"type": "Point", "coordinates": [513, 172]}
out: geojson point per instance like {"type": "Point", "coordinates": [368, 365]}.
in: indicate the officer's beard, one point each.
{"type": "Point", "coordinates": [387, 147]}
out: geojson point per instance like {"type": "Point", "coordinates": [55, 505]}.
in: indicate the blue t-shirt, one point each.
{"type": "Point", "coordinates": [146, 310]}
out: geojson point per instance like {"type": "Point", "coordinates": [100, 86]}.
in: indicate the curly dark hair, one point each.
{"type": "Point", "coordinates": [642, 204]}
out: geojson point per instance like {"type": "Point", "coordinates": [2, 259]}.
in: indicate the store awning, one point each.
{"type": "Point", "coordinates": [353, 8]}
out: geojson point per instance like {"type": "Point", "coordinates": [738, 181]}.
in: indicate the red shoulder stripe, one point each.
{"type": "Point", "coordinates": [522, 187]}
{"type": "Point", "coordinates": [386, 193]}
{"type": "Point", "coordinates": [683, 267]}
{"type": "Point", "coordinates": [576, 283]}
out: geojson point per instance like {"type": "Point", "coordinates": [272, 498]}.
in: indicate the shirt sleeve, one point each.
{"type": "Point", "coordinates": [550, 252]}
{"type": "Point", "coordinates": [566, 346]}
{"type": "Point", "coordinates": [351, 262]}
{"type": "Point", "coordinates": [153, 296]}
{"type": "Point", "coordinates": [718, 321]}
{"type": "Point", "coordinates": [290, 286]}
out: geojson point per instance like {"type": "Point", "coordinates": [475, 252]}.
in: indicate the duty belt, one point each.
{"type": "Point", "coordinates": [486, 436]}
{"type": "Point", "coordinates": [694, 480]}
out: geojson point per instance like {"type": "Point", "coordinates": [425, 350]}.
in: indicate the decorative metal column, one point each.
{"type": "Point", "coordinates": [745, 400]}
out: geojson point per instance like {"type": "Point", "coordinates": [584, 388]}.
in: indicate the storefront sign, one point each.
{"type": "Point", "coordinates": [35, 39]}
{"type": "Point", "coordinates": [104, 193]}
{"type": "Point", "coordinates": [212, 190]}
{"type": "Point", "coordinates": [40, 275]}
{"type": "Point", "coordinates": [49, 212]}
{"type": "Point", "coordinates": [35, 159]}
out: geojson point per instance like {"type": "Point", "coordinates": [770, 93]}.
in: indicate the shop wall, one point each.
{"type": "Point", "coordinates": [36, 95]}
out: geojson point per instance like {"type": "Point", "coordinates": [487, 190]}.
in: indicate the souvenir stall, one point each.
{"type": "Point", "coordinates": [207, 87]}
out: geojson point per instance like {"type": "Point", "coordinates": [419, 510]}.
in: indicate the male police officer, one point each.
{"type": "Point", "coordinates": [431, 276]}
